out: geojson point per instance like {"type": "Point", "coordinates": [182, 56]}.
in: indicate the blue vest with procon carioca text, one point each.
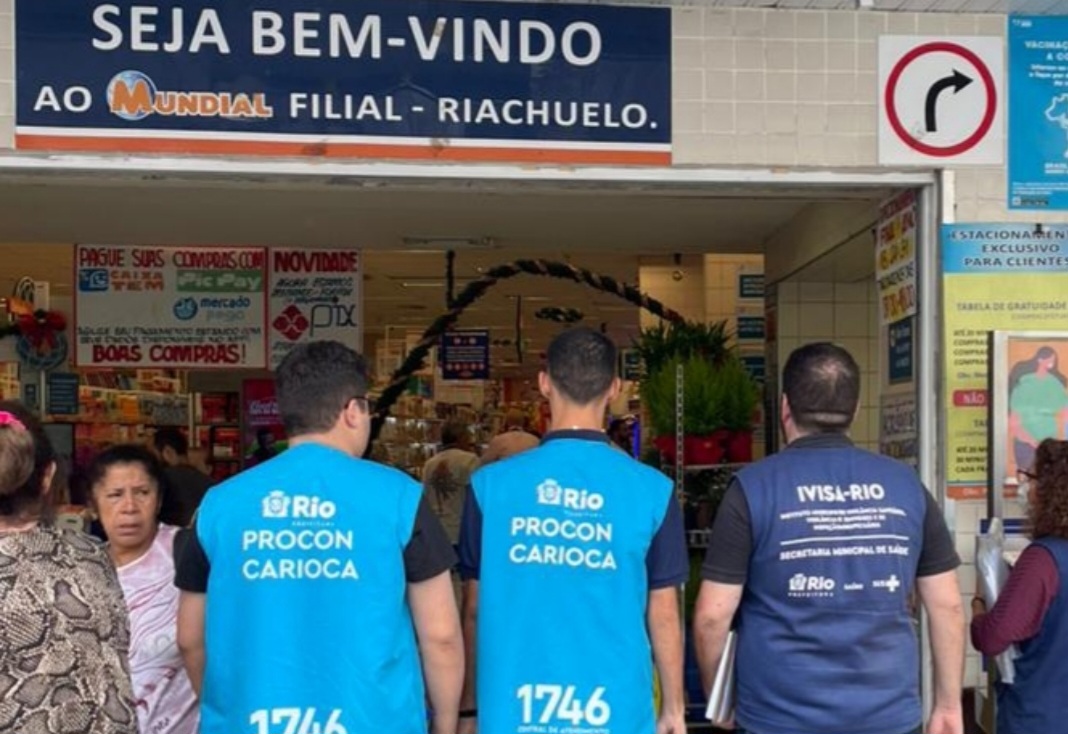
{"type": "Point", "coordinates": [306, 613]}
{"type": "Point", "coordinates": [826, 643]}
{"type": "Point", "coordinates": [563, 592]}
{"type": "Point", "coordinates": [1036, 702]}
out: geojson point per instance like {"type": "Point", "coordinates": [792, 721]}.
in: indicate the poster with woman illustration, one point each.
{"type": "Point", "coordinates": [1029, 399]}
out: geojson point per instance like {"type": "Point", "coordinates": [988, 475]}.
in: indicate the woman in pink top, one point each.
{"type": "Point", "coordinates": [127, 492]}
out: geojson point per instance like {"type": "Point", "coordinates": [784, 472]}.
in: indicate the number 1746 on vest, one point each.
{"type": "Point", "coordinates": [295, 721]}
{"type": "Point", "coordinates": [551, 702]}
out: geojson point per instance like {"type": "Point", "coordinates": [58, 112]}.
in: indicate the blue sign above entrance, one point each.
{"type": "Point", "coordinates": [1038, 113]}
{"type": "Point", "coordinates": [325, 78]}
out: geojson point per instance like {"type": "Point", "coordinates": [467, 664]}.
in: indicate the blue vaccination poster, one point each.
{"type": "Point", "coordinates": [1038, 113]}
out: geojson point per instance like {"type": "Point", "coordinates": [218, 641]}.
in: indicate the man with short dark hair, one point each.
{"type": "Point", "coordinates": [186, 485]}
{"type": "Point", "coordinates": [818, 550]}
{"type": "Point", "coordinates": [317, 565]}
{"type": "Point", "coordinates": [572, 553]}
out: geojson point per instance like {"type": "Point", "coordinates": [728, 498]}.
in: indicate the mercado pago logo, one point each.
{"type": "Point", "coordinates": [133, 96]}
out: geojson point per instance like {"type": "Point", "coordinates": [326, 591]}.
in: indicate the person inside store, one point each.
{"type": "Point", "coordinates": [621, 431]}
{"type": "Point", "coordinates": [186, 484]}
{"type": "Point", "coordinates": [126, 494]}
{"type": "Point", "coordinates": [1032, 610]}
{"type": "Point", "coordinates": [446, 475]}
{"type": "Point", "coordinates": [512, 440]}
{"type": "Point", "coordinates": [265, 449]}
{"type": "Point", "coordinates": [1038, 404]}
{"type": "Point", "coordinates": [313, 586]}
{"type": "Point", "coordinates": [829, 604]}
{"type": "Point", "coordinates": [571, 554]}
{"type": "Point", "coordinates": [64, 631]}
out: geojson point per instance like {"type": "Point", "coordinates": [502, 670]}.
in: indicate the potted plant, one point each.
{"type": "Point", "coordinates": [658, 345]}
{"type": "Point", "coordinates": [740, 396]}
{"type": "Point", "coordinates": [657, 391]}
{"type": "Point", "coordinates": [703, 413]}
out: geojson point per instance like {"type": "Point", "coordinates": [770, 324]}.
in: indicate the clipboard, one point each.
{"type": "Point", "coordinates": [720, 709]}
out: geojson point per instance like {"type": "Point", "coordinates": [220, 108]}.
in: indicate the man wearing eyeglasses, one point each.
{"type": "Point", "coordinates": [315, 585]}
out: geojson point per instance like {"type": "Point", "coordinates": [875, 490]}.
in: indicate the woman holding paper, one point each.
{"type": "Point", "coordinates": [1032, 611]}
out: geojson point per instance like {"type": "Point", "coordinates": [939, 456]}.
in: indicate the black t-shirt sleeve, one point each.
{"type": "Point", "coordinates": [939, 553]}
{"type": "Point", "coordinates": [667, 562]}
{"type": "Point", "coordinates": [731, 541]}
{"type": "Point", "coordinates": [471, 538]}
{"type": "Point", "coordinates": [191, 565]}
{"type": "Point", "coordinates": [429, 552]}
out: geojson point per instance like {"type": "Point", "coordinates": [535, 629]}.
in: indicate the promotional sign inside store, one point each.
{"type": "Point", "coordinates": [940, 100]}
{"type": "Point", "coordinates": [899, 427]}
{"type": "Point", "coordinates": [264, 436]}
{"type": "Point", "coordinates": [62, 393]}
{"type": "Point", "coordinates": [1010, 277]}
{"type": "Point", "coordinates": [750, 328]}
{"type": "Point", "coordinates": [446, 80]}
{"type": "Point", "coordinates": [465, 355]}
{"type": "Point", "coordinates": [1038, 112]}
{"type": "Point", "coordinates": [314, 294]}
{"type": "Point", "coordinates": [901, 350]}
{"type": "Point", "coordinates": [170, 307]}
{"type": "Point", "coordinates": [895, 258]}
{"type": "Point", "coordinates": [751, 285]}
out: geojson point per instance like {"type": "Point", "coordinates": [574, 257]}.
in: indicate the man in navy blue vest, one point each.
{"type": "Point", "coordinates": [316, 591]}
{"type": "Point", "coordinates": [818, 549]}
{"type": "Point", "coordinates": [572, 553]}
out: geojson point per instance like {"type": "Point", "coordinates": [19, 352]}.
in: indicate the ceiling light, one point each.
{"type": "Point", "coordinates": [449, 243]}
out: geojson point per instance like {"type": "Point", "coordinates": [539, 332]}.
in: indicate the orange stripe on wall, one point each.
{"type": "Point", "coordinates": [57, 143]}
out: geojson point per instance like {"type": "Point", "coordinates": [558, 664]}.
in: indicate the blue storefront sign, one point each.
{"type": "Point", "coordinates": [29, 396]}
{"type": "Point", "coordinates": [62, 397]}
{"type": "Point", "coordinates": [465, 355]}
{"type": "Point", "coordinates": [442, 80]}
{"type": "Point", "coordinates": [1038, 113]}
{"type": "Point", "coordinates": [751, 285]}
{"type": "Point", "coordinates": [756, 366]}
{"type": "Point", "coordinates": [630, 365]}
{"type": "Point", "coordinates": [901, 345]}
{"type": "Point", "coordinates": [751, 327]}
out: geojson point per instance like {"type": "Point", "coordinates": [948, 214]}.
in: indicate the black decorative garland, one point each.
{"type": "Point", "coordinates": [417, 357]}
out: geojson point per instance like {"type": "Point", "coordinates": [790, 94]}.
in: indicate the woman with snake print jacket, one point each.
{"type": "Point", "coordinates": [64, 633]}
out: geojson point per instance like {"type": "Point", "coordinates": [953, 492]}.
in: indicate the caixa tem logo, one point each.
{"type": "Point", "coordinates": [551, 493]}
{"type": "Point", "coordinates": [279, 506]}
{"type": "Point", "coordinates": [802, 585]}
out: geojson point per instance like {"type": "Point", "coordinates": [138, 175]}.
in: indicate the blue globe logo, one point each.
{"type": "Point", "coordinates": [185, 309]}
{"type": "Point", "coordinates": [131, 95]}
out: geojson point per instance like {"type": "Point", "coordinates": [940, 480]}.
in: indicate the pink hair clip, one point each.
{"type": "Point", "coordinates": [9, 420]}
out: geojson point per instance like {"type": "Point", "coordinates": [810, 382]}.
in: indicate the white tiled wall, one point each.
{"type": "Point", "coordinates": [685, 295]}
{"type": "Point", "coordinates": [780, 87]}
{"type": "Point", "coordinates": [721, 286]}
{"type": "Point", "coordinates": [847, 314]}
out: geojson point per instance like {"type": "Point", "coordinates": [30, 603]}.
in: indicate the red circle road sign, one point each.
{"type": "Point", "coordinates": [988, 86]}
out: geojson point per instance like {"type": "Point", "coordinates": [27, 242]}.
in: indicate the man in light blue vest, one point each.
{"type": "Point", "coordinates": [315, 583]}
{"type": "Point", "coordinates": [818, 549]}
{"type": "Point", "coordinates": [572, 553]}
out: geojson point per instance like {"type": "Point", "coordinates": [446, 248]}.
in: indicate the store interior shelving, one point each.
{"type": "Point", "coordinates": [216, 429]}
